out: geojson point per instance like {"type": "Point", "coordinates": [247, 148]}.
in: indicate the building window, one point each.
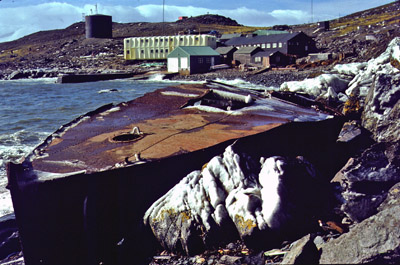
{"type": "Point", "coordinates": [263, 46]}
{"type": "Point", "coordinates": [274, 45]}
{"type": "Point", "coordinates": [161, 50]}
{"type": "Point", "coordinates": [147, 40]}
{"type": "Point", "coordinates": [127, 41]}
{"type": "Point", "coordinates": [200, 60]}
{"type": "Point", "coordinates": [257, 59]}
{"type": "Point", "coordinates": [151, 51]}
{"type": "Point", "coordinates": [268, 45]}
{"type": "Point", "coordinates": [142, 51]}
{"type": "Point", "coordinates": [166, 50]}
{"type": "Point", "coordinates": [161, 40]}
{"type": "Point", "coordinates": [280, 44]}
{"type": "Point", "coordinates": [156, 51]}
{"type": "Point", "coordinates": [208, 60]}
{"type": "Point", "coordinates": [127, 52]}
{"type": "Point", "coordinates": [141, 41]}
{"type": "Point", "coordinates": [197, 38]}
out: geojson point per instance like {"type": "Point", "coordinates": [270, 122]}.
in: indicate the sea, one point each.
{"type": "Point", "coordinates": [31, 109]}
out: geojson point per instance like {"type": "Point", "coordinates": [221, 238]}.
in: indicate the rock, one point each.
{"type": "Point", "coordinates": [236, 196]}
{"type": "Point", "coordinates": [366, 179]}
{"type": "Point", "coordinates": [18, 75]}
{"type": "Point", "coordinates": [374, 240]}
{"type": "Point", "coordinates": [362, 82]}
{"type": "Point", "coordinates": [9, 236]}
{"type": "Point", "coordinates": [302, 251]}
{"type": "Point", "coordinates": [382, 108]}
{"type": "Point", "coordinates": [229, 260]}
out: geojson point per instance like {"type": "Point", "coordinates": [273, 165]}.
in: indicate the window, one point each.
{"type": "Point", "coordinates": [268, 45]}
{"type": "Point", "coordinates": [141, 41]}
{"type": "Point", "coordinates": [127, 52]}
{"type": "Point", "coordinates": [151, 51]}
{"type": "Point", "coordinates": [200, 60]}
{"type": "Point", "coordinates": [161, 40]}
{"type": "Point", "coordinates": [142, 51]}
{"type": "Point", "coordinates": [257, 59]}
{"type": "Point", "coordinates": [280, 44]}
{"type": "Point", "coordinates": [127, 41]}
{"type": "Point", "coordinates": [197, 38]}
{"type": "Point", "coordinates": [208, 60]}
{"type": "Point", "coordinates": [161, 50]}
{"type": "Point", "coordinates": [263, 46]}
{"type": "Point", "coordinates": [156, 51]}
{"type": "Point", "coordinates": [147, 40]}
{"type": "Point", "coordinates": [166, 50]}
{"type": "Point", "coordinates": [274, 45]}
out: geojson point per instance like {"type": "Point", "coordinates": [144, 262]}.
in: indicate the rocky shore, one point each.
{"type": "Point", "coordinates": [351, 177]}
{"type": "Point", "coordinates": [250, 206]}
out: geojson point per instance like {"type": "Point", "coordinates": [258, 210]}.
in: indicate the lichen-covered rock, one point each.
{"type": "Point", "coordinates": [382, 108]}
{"type": "Point", "coordinates": [374, 240]}
{"type": "Point", "coordinates": [237, 196]}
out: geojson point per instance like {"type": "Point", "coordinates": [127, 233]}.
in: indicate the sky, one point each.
{"type": "Point", "coordinates": [23, 17]}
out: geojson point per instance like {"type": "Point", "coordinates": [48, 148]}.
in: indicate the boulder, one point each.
{"type": "Point", "coordinates": [362, 82]}
{"type": "Point", "coordinates": [261, 201]}
{"type": "Point", "coordinates": [382, 108]}
{"type": "Point", "coordinates": [366, 179]}
{"type": "Point", "coordinates": [374, 240]}
{"type": "Point", "coordinates": [302, 251]}
{"type": "Point", "coordinates": [18, 75]}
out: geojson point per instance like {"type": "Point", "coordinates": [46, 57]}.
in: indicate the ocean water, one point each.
{"type": "Point", "coordinates": [32, 109]}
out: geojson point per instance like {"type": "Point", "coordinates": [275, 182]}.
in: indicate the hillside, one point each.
{"type": "Point", "coordinates": [67, 50]}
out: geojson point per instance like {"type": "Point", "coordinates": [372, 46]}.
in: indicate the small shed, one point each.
{"type": "Point", "coordinates": [276, 59]}
{"type": "Point", "coordinates": [324, 25]}
{"type": "Point", "coordinates": [226, 54]}
{"type": "Point", "coordinates": [245, 55]}
{"type": "Point", "coordinates": [192, 59]}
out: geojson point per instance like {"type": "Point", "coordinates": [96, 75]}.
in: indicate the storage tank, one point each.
{"type": "Point", "coordinates": [98, 26]}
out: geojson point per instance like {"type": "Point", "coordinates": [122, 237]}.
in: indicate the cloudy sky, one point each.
{"type": "Point", "coordinates": [22, 17]}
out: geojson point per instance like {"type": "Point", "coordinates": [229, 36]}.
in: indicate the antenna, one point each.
{"type": "Point", "coordinates": [312, 12]}
{"type": "Point", "coordinates": [95, 9]}
{"type": "Point", "coordinates": [163, 8]}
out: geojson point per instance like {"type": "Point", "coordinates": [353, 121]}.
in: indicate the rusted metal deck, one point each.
{"type": "Point", "coordinates": [103, 139]}
{"type": "Point", "coordinates": [84, 190]}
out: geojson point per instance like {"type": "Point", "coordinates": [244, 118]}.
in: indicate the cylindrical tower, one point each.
{"type": "Point", "coordinates": [98, 26]}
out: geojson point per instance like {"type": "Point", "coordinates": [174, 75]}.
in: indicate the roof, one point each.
{"type": "Point", "coordinates": [194, 51]}
{"type": "Point", "coordinates": [268, 53]}
{"type": "Point", "coordinates": [247, 50]}
{"type": "Point", "coordinates": [230, 36]}
{"type": "Point", "coordinates": [262, 39]}
{"type": "Point", "coordinates": [269, 32]}
{"type": "Point", "coordinates": [225, 50]}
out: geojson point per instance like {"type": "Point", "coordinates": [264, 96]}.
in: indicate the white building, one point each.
{"type": "Point", "coordinates": [153, 48]}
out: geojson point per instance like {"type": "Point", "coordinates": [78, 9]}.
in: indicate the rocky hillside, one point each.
{"type": "Point", "coordinates": [360, 36]}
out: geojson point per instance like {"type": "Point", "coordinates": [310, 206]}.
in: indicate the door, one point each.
{"type": "Point", "coordinates": [173, 65]}
{"type": "Point", "coordinates": [184, 63]}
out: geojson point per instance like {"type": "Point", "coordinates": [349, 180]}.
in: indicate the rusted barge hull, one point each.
{"type": "Point", "coordinates": [79, 197]}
